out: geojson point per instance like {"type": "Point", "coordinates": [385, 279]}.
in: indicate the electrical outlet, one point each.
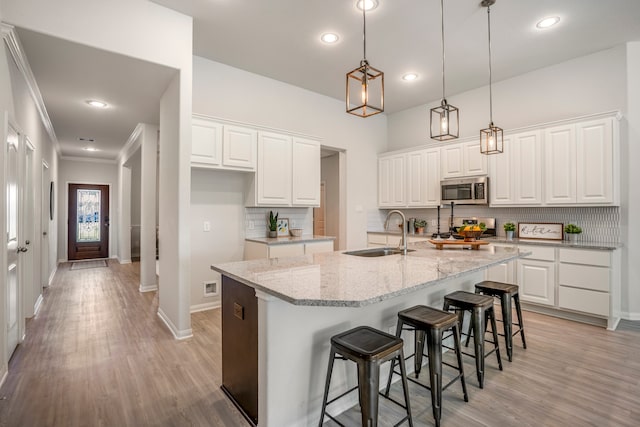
{"type": "Point", "coordinates": [206, 226]}
{"type": "Point", "coordinates": [434, 222]}
{"type": "Point", "coordinates": [252, 225]}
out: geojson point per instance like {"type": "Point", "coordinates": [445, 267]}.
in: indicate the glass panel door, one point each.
{"type": "Point", "coordinates": [88, 215]}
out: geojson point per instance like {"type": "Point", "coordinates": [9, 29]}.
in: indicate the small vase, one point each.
{"type": "Point", "coordinates": [419, 230]}
{"type": "Point", "coordinates": [509, 235]}
{"type": "Point", "coordinates": [273, 233]}
{"type": "Point", "coordinates": [572, 237]}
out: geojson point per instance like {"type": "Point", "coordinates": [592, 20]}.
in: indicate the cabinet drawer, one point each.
{"type": "Point", "coordinates": [585, 276]}
{"type": "Point", "coordinates": [584, 300]}
{"type": "Point", "coordinates": [577, 256]}
{"type": "Point", "coordinates": [378, 239]}
{"type": "Point", "coordinates": [279, 251]}
{"type": "Point", "coordinates": [539, 252]}
{"type": "Point", "coordinates": [318, 247]}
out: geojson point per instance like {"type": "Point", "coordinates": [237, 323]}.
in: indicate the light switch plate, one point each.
{"type": "Point", "coordinates": [207, 226]}
{"type": "Point", "coordinates": [252, 225]}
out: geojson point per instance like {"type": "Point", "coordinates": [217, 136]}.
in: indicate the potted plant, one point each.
{"type": "Point", "coordinates": [273, 224]}
{"type": "Point", "coordinates": [509, 228]}
{"type": "Point", "coordinates": [419, 225]}
{"type": "Point", "coordinates": [572, 231]}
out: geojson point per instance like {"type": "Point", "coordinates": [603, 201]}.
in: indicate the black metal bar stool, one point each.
{"type": "Point", "coordinates": [505, 292]}
{"type": "Point", "coordinates": [481, 308]}
{"type": "Point", "coordinates": [369, 348]}
{"type": "Point", "coordinates": [432, 323]}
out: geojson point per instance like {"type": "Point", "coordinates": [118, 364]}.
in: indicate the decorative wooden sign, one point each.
{"type": "Point", "coordinates": [540, 230]}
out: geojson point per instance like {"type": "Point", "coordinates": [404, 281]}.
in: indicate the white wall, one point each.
{"type": "Point", "coordinates": [589, 84]}
{"type": "Point", "coordinates": [86, 172]}
{"type": "Point", "coordinates": [216, 197]}
{"type": "Point", "coordinates": [226, 92]}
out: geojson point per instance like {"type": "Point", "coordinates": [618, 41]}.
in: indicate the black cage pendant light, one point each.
{"type": "Point", "coordinates": [491, 138]}
{"type": "Point", "coordinates": [365, 84]}
{"type": "Point", "coordinates": [445, 117]}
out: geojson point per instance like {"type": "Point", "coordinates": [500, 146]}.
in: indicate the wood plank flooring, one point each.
{"type": "Point", "coordinates": [98, 355]}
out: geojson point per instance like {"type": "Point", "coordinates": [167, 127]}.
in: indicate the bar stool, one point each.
{"type": "Point", "coordinates": [481, 308]}
{"type": "Point", "coordinates": [432, 323]}
{"type": "Point", "coordinates": [505, 292]}
{"type": "Point", "coordinates": [369, 348]}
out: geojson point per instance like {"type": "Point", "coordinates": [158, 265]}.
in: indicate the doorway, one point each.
{"type": "Point", "coordinates": [88, 221]}
{"type": "Point", "coordinates": [330, 218]}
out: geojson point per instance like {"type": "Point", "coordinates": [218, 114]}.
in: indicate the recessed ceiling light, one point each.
{"type": "Point", "coordinates": [409, 77]}
{"type": "Point", "coordinates": [90, 149]}
{"type": "Point", "coordinates": [329, 38]}
{"type": "Point", "coordinates": [96, 103]}
{"type": "Point", "coordinates": [548, 22]}
{"type": "Point", "coordinates": [368, 4]}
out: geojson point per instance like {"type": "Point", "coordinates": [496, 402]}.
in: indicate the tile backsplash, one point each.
{"type": "Point", "coordinates": [298, 218]}
{"type": "Point", "coordinates": [599, 224]}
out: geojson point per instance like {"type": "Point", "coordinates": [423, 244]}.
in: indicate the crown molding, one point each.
{"type": "Point", "coordinates": [19, 56]}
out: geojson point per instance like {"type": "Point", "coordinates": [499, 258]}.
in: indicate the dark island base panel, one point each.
{"type": "Point", "coordinates": [240, 347]}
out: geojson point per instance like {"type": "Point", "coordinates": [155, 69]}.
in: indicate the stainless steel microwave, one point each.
{"type": "Point", "coordinates": [465, 191]}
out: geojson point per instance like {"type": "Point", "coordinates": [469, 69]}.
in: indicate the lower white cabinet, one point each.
{"type": "Point", "coordinates": [258, 250]}
{"type": "Point", "coordinates": [318, 247]}
{"type": "Point", "coordinates": [375, 240]}
{"type": "Point", "coordinates": [537, 281]}
{"type": "Point", "coordinates": [584, 281]}
{"type": "Point", "coordinates": [504, 273]}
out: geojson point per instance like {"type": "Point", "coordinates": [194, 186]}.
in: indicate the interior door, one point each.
{"type": "Point", "coordinates": [12, 147]}
{"type": "Point", "coordinates": [46, 211]}
{"type": "Point", "coordinates": [88, 221]}
{"type": "Point", "coordinates": [30, 284]}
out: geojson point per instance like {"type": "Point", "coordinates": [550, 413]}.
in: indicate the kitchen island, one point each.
{"type": "Point", "coordinates": [279, 315]}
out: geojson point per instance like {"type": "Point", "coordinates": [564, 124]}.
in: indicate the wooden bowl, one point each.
{"type": "Point", "coordinates": [296, 232]}
{"type": "Point", "coordinates": [470, 236]}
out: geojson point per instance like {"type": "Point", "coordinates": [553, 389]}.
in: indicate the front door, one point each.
{"type": "Point", "coordinates": [14, 250]}
{"type": "Point", "coordinates": [88, 221]}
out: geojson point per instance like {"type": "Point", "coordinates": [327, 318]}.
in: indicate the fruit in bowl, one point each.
{"type": "Point", "coordinates": [471, 232]}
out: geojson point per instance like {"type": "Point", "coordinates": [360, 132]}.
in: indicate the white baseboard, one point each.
{"type": "Point", "coordinates": [37, 305]}
{"type": "Point", "coordinates": [147, 288]}
{"type": "Point", "coordinates": [123, 261]}
{"type": "Point", "coordinates": [4, 377]}
{"type": "Point", "coordinates": [204, 307]}
{"type": "Point", "coordinates": [177, 334]}
{"type": "Point", "coordinates": [52, 275]}
{"type": "Point", "coordinates": [630, 316]}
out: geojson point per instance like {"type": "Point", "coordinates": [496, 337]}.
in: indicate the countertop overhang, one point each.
{"type": "Point", "coordinates": [340, 280]}
{"type": "Point", "coordinates": [285, 240]}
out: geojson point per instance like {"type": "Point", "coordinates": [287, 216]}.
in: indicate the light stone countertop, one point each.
{"type": "Point", "coordinates": [340, 280]}
{"type": "Point", "coordinates": [283, 240]}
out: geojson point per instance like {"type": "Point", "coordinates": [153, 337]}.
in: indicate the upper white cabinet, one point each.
{"type": "Point", "coordinates": [288, 172]}
{"type": "Point", "coordinates": [516, 174]}
{"type": "Point", "coordinates": [579, 163]}
{"type": "Point", "coordinates": [221, 146]}
{"type": "Point", "coordinates": [462, 159]}
{"type": "Point", "coordinates": [409, 179]}
{"type": "Point", "coordinates": [306, 172]}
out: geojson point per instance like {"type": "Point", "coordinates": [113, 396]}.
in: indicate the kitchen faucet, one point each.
{"type": "Point", "coordinates": [403, 242]}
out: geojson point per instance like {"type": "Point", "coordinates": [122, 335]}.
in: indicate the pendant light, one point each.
{"type": "Point", "coordinates": [444, 118]}
{"type": "Point", "coordinates": [491, 138]}
{"type": "Point", "coordinates": [365, 84]}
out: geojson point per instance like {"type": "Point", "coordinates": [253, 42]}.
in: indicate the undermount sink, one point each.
{"type": "Point", "coordinates": [377, 252]}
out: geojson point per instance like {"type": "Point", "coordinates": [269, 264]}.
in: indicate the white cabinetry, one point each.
{"type": "Point", "coordinates": [536, 275]}
{"type": "Point", "coordinates": [288, 172]}
{"type": "Point", "coordinates": [258, 250]}
{"type": "Point", "coordinates": [584, 281]}
{"type": "Point", "coordinates": [462, 159]}
{"type": "Point", "coordinates": [221, 146]}
{"type": "Point", "coordinates": [579, 163]}
{"type": "Point", "coordinates": [409, 179]}
{"type": "Point", "coordinates": [516, 174]}
{"type": "Point", "coordinates": [504, 273]}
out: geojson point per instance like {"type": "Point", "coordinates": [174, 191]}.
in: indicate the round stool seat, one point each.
{"type": "Point", "coordinates": [468, 300]}
{"type": "Point", "coordinates": [366, 343]}
{"type": "Point", "coordinates": [489, 287]}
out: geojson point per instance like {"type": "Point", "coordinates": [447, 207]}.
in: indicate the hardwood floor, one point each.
{"type": "Point", "coordinates": [98, 355]}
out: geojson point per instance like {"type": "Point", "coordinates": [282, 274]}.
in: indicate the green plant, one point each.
{"type": "Point", "coordinates": [273, 221]}
{"type": "Point", "coordinates": [509, 226]}
{"type": "Point", "coordinates": [572, 229]}
{"type": "Point", "coordinates": [420, 223]}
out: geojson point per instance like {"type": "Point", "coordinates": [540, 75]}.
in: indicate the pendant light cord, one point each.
{"type": "Point", "coordinates": [364, 31]}
{"type": "Point", "coordinates": [442, 29]}
{"type": "Point", "coordinates": [490, 94]}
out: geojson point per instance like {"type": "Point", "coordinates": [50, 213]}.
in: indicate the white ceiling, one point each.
{"type": "Point", "coordinates": [280, 39]}
{"type": "Point", "coordinates": [68, 74]}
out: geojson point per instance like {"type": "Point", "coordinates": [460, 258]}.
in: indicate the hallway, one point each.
{"type": "Point", "coordinates": [97, 354]}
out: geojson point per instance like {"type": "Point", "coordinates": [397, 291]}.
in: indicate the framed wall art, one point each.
{"type": "Point", "coordinates": [283, 227]}
{"type": "Point", "coordinates": [540, 230]}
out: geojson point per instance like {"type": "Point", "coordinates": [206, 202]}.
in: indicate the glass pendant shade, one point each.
{"type": "Point", "coordinates": [444, 122]}
{"type": "Point", "coordinates": [491, 140]}
{"type": "Point", "coordinates": [365, 90]}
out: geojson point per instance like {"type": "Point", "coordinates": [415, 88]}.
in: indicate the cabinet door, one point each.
{"type": "Point", "coordinates": [527, 168]}
{"type": "Point", "coordinates": [391, 181]}
{"type": "Point", "coordinates": [206, 142]}
{"type": "Point", "coordinates": [416, 178]}
{"type": "Point", "coordinates": [451, 161]}
{"type": "Point", "coordinates": [274, 169]}
{"type": "Point", "coordinates": [432, 176]}
{"type": "Point", "coordinates": [560, 165]}
{"type": "Point", "coordinates": [504, 273]}
{"type": "Point", "coordinates": [318, 247]}
{"type": "Point", "coordinates": [306, 172]}
{"type": "Point", "coordinates": [537, 281]}
{"type": "Point", "coordinates": [501, 176]}
{"type": "Point", "coordinates": [474, 162]}
{"type": "Point", "coordinates": [239, 149]}
{"type": "Point", "coordinates": [594, 154]}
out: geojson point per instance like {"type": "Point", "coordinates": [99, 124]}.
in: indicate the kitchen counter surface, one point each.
{"type": "Point", "coordinates": [289, 239]}
{"type": "Point", "coordinates": [340, 280]}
